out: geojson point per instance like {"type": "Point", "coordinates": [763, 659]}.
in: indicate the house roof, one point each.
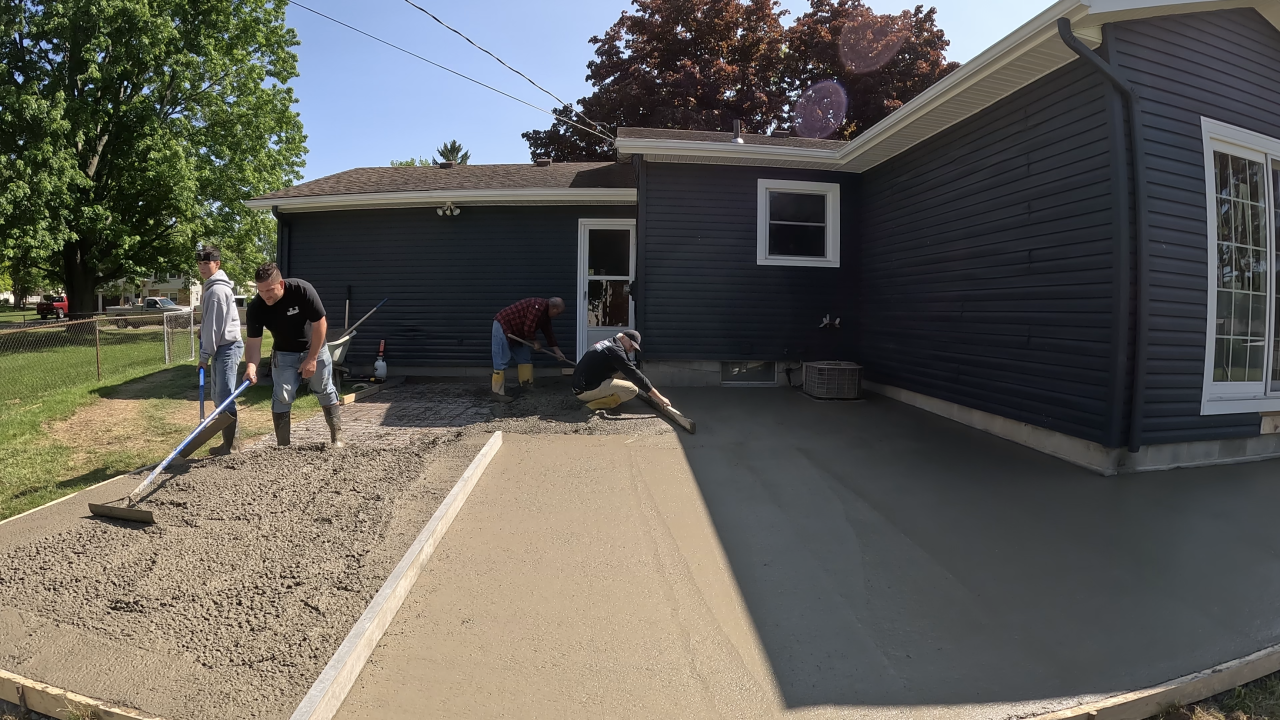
{"type": "Point", "coordinates": [1024, 56]}
{"type": "Point", "coordinates": [525, 184]}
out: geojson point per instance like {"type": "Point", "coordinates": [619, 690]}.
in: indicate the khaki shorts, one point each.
{"type": "Point", "coordinates": [622, 388]}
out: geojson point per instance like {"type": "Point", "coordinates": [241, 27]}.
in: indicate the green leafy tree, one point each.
{"type": "Point", "coordinates": [133, 130]}
{"type": "Point", "coordinates": [451, 151]}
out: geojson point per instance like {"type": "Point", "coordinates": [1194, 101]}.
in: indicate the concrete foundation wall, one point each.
{"type": "Point", "coordinates": [1091, 455]}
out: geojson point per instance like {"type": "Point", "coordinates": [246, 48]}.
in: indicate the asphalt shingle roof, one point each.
{"type": "Point", "coordinates": [464, 177]}
{"type": "Point", "coordinates": [747, 138]}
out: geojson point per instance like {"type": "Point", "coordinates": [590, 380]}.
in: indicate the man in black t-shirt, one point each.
{"type": "Point", "coordinates": [292, 311]}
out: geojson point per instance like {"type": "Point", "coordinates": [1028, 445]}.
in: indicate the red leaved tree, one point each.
{"type": "Point", "coordinates": [701, 64]}
{"type": "Point", "coordinates": [880, 61]}
{"type": "Point", "coordinates": [686, 64]}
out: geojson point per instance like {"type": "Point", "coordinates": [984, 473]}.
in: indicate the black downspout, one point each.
{"type": "Point", "coordinates": [1138, 148]}
{"type": "Point", "coordinates": [642, 185]}
{"type": "Point", "coordinates": [282, 241]}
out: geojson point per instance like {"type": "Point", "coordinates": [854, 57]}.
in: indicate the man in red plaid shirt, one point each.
{"type": "Point", "coordinates": [523, 320]}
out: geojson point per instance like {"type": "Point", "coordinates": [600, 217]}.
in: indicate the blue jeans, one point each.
{"type": "Point", "coordinates": [286, 376]}
{"type": "Point", "coordinates": [224, 366]}
{"type": "Point", "coordinates": [504, 351]}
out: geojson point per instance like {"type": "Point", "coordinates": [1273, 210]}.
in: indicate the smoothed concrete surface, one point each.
{"type": "Point", "coordinates": [800, 558]}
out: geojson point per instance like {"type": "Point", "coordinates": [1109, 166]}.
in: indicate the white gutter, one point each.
{"type": "Point", "coordinates": [434, 198]}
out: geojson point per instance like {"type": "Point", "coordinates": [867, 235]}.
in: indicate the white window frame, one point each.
{"type": "Point", "coordinates": [832, 193]}
{"type": "Point", "coordinates": [1219, 398]}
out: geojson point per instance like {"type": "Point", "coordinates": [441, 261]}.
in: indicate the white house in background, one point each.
{"type": "Point", "coordinates": [174, 286]}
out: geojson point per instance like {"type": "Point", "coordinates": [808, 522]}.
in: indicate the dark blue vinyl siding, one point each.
{"type": "Point", "coordinates": [703, 295]}
{"type": "Point", "coordinates": [1222, 65]}
{"type": "Point", "coordinates": [988, 255]}
{"type": "Point", "coordinates": [446, 276]}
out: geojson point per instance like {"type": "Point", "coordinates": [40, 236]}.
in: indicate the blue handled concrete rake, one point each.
{"type": "Point", "coordinates": [198, 437]}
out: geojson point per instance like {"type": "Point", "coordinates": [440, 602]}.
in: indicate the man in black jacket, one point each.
{"type": "Point", "coordinates": [595, 380]}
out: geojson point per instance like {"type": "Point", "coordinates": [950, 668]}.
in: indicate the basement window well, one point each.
{"type": "Point", "coordinates": [797, 223]}
{"type": "Point", "coordinates": [753, 373]}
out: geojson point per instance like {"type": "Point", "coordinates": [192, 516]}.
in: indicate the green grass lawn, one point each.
{"type": "Point", "coordinates": [64, 439]}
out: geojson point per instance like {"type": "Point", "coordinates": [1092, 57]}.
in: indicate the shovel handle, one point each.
{"type": "Point", "coordinates": [217, 411]}
{"type": "Point", "coordinates": [522, 341]}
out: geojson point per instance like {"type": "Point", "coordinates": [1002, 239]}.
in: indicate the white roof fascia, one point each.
{"type": "Point", "coordinates": [435, 198]}
{"type": "Point", "coordinates": [735, 153]}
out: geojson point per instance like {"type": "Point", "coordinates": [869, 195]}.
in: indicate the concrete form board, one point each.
{"type": "Point", "coordinates": [331, 688]}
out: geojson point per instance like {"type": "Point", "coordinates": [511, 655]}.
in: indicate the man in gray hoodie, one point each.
{"type": "Point", "coordinates": [220, 343]}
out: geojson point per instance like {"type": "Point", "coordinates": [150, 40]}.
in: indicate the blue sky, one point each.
{"type": "Point", "coordinates": [364, 104]}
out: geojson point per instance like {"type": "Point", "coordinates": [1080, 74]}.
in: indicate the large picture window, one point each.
{"type": "Point", "coordinates": [798, 223]}
{"type": "Point", "coordinates": [1242, 357]}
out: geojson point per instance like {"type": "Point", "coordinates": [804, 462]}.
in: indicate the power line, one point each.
{"type": "Point", "coordinates": [450, 70]}
{"type": "Point", "coordinates": [505, 65]}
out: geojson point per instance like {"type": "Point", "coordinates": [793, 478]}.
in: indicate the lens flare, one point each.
{"type": "Point", "coordinates": [869, 41]}
{"type": "Point", "coordinates": [821, 110]}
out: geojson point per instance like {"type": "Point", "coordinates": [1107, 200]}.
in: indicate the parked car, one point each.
{"type": "Point", "coordinates": [55, 306]}
{"type": "Point", "coordinates": [124, 313]}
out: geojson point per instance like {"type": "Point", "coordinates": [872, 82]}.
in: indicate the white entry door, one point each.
{"type": "Point", "coordinates": [606, 269]}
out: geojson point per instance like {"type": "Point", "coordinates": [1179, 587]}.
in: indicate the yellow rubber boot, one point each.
{"type": "Point", "coordinates": [607, 402]}
{"type": "Point", "coordinates": [525, 373]}
{"type": "Point", "coordinates": [498, 386]}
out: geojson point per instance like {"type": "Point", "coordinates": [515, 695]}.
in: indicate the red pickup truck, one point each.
{"type": "Point", "coordinates": [56, 306]}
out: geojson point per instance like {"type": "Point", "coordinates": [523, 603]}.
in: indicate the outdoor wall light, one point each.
{"type": "Point", "coordinates": [448, 209]}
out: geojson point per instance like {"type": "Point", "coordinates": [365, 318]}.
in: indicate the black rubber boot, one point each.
{"type": "Point", "coordinates": [228, 445]}
{"type": "Point", "coordinates": [281, 421]}
{"type": "Point", "coordinates": [333, 416]}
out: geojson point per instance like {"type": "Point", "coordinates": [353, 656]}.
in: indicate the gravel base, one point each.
{"type": "Point", "coordinates": [260, 563]}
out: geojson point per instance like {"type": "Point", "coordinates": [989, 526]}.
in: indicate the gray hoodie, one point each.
{"type": "Point", "coordinates": [219, 321]}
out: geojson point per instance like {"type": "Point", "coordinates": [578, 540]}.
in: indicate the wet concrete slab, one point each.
{"type": "Point", "coordinates": [811, 559]}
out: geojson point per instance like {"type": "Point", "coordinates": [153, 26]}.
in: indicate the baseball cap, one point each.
{"type": "Point", "coordinates": [633, 336]}
{"type": "Point", "coordinates": [209, 254]}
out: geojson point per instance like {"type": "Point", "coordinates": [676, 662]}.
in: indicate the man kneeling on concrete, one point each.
{"type": "Point", "coordinates": [523, 320]}
{"type": "Point", "coordinates": [599, 378]}
{"type": "Point", "coordinates": [292, 311]}
{"type": "Point", "coordinates": [220, 343]}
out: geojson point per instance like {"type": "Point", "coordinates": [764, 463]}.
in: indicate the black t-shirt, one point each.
{"type": "Point", "coordinates": [289, 320]}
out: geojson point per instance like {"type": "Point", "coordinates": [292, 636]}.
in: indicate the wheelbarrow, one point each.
{"type": "Point", "coordinates": [338, 346]}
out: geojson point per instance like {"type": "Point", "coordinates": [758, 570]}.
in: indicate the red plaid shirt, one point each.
{"type": "Point", "coordinates": [525, 318]}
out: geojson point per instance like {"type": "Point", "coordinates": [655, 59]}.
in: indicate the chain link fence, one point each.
{"type": "Point", "coordinates": [56, 355]}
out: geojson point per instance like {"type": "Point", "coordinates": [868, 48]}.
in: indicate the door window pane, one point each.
{"type": "Point", "coordinates": [1243, 270]}
{"type": "Point", "coordinates": [609, 252]}
{"type": "Point", "coordinates": [608, 303]}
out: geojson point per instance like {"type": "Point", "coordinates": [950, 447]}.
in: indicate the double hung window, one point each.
{"type": "Point", "coordinates": [798, 223]}
{"type": "Point", "coordinates": [1242, 369]}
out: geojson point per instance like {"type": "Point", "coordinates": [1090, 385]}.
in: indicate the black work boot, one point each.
{"type": "Point", "coordinates": [281, 421]}
{"type": "Point", "coordinates": [333, 416]}
{"type": "Point", "coordinates": [228, 445]}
